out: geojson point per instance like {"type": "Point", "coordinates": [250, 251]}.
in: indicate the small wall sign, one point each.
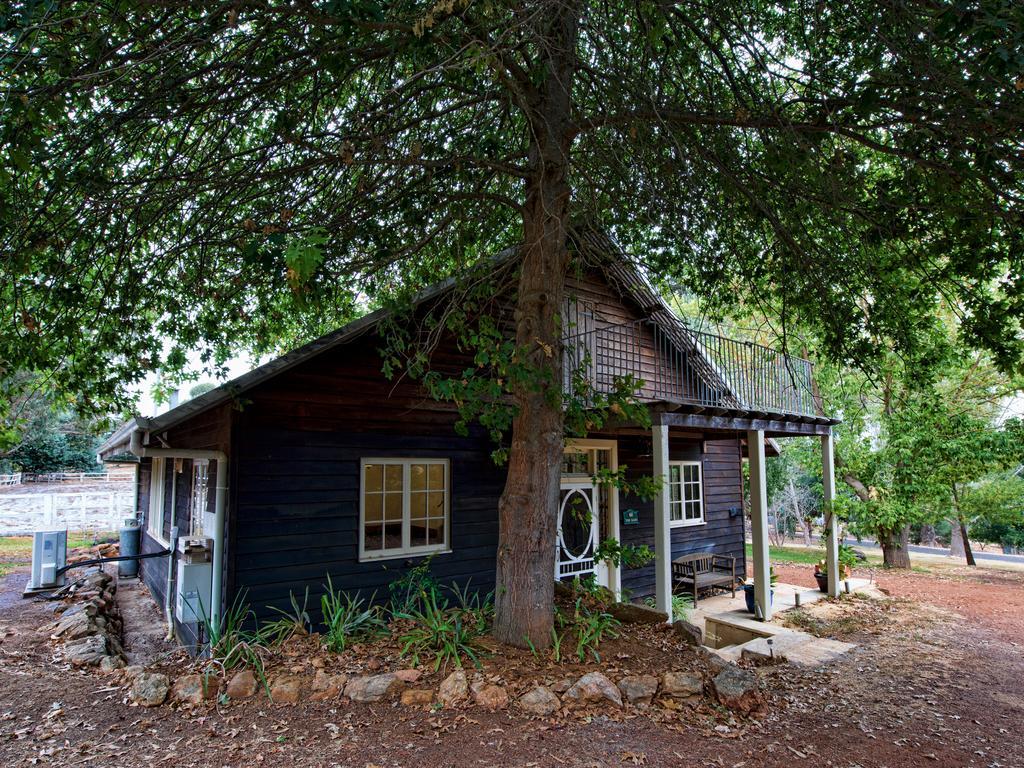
{"type": "Point", "coordinates": [630, 517]}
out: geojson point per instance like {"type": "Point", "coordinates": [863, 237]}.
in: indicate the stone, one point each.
{"type": "Point", "coordinates": [286, 690]}
{"type": "Point", "coordinates": [193, 689]}
{"type": "Point", "coordinates": [368, 689]}
{"type": "Point", "coordinates": [242, 685]}
{"type": "Point", "coordinates": [639, 690]}
{"type": "Point", "coordinates": [111, 663]}
{"type": "Point", "coordinates": [132, 671]}
{"type": "Point", "coordinates": [453, 689]}
{"type": "Point", "coordinates": [326, 687]}
{"type": "Point", "coordinates": [491, 697]}
{"type": "Point", "coordinates": [73, 626]}
{"type": "Point", "coordinates": [539, 701]}
{"type": "Point", "coordinates": [594, 687]}
{"type": "Point", "coordinates": [87, 652]}
{"type": "Point", "coordinates": [417, 697]}
{"type": "Point", "coordinates": [689, 633]}
{"type": "Point", "coordinates": [408, 675]}
{"type": "Point", "coordinates": [637, 613]}
{"type": "Point", "coordinates": [682, 685]}
{"type": "Point", "coordinates": [739, 690]}
{"type": "Point", "coordinates": [563, 685]}
{"type": "Point", "coordinates": [149, 689]}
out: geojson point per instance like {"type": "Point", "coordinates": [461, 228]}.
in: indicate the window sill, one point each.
{"type": "Point", "coordinates": [371, 557]}
{"type": "Point", "coordinates": [686, 523]}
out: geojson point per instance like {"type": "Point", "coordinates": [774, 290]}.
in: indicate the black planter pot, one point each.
{"type": "Point", "coordinates": [822, 579]}
{"type": "Point", "coordinates": [748, 595]}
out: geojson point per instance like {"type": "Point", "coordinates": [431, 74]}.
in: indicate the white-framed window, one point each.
{"type": "Point", "coordinates": [155, 513]}
{"type": "Point", "coordinates": [686, 495]}
{"type": "Point", "coordinates": [404, 507]}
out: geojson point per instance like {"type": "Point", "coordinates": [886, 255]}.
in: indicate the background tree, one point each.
{"type": "Point", "coordinates": [224, 175]}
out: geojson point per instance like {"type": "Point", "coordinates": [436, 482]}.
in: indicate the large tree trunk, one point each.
{"type": "Point", "coordinates": [928, 537]}
{"type": "Point", "coordinates": [895, 548]}
{"type": "Point", "coordinates": [524, 594]}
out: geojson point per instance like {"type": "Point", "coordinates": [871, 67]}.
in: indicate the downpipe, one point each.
{"type": "Point", "coordinates": [136, 448]}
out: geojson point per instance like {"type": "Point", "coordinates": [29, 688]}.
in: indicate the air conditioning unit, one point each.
{"type": "Point", "coordinates": [49, 554]}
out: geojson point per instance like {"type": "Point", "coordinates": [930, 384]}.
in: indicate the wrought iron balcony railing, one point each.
{"type": "Point", "coordinates": [680, 365]}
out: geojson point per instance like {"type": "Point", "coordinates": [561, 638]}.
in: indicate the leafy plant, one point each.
{"type": "Point", "coordinates": [412, 587]}
{"type": "Point", "coordinates": [681, 606]}
{"type": "Point", "coordinates": [588, 627]}
{"type": "Point", "coordinates": [615, 553]}
{"type": "Point", "coordinates": [292, 622]}
{"type": "Point", "coordinates": [230, 644]}
{"type": "Point", "coordinates": [349, 618]}
{"type": "Point", "coordinates": [441, 632]}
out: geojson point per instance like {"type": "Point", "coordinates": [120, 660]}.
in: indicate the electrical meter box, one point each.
{"type": "Point", "coordinates": [195, 580]}
{"type": "Point", "coordinates": [49, 553]}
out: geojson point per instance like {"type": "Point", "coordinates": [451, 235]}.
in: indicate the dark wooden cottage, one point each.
{"type": "Point", "coordinates": [317, 464]}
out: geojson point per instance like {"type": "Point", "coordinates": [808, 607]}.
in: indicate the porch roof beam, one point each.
{"type": "Point", "coordinates": [770, 427]}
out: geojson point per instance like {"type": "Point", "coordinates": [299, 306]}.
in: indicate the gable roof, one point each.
{"type": "Point", "coordinates": [595, 248]}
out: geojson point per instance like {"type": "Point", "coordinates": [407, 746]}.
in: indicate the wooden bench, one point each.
{"type": "Point", "coordinates": [704, 570]}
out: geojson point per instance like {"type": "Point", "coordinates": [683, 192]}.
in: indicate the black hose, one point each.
{"type": "Point", "coordinates": [99, 560]}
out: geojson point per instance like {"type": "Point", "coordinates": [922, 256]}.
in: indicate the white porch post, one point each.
{"type": "Point", "coordinates": [759, 523]}
{"type": "Point", "coordinates": [828, 484]}
{"type": "Point", "coordinates": [662, 535]}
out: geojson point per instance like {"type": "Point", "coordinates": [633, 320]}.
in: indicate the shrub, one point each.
{"type": "Point", "coordinates": [347, 620]}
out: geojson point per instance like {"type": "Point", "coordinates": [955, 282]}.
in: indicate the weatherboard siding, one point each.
{"type": "Point", "coordinates": [721, 533]}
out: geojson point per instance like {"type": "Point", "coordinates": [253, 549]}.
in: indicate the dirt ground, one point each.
{"type": "Point", "coordinates": [936, 679]}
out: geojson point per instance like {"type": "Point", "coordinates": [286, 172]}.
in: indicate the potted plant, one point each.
{"type": "Point", "coordinates": [847, 559]}
{"type": "Point", "coordinates": [748, 590]}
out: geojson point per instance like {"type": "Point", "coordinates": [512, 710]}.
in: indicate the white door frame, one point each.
{"type": "Point", "coordinates": [607, 575]}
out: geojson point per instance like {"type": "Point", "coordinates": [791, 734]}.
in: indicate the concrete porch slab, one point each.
{"type": "Point", "coordinates": [732, 632]}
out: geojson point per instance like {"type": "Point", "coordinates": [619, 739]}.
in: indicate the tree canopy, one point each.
{"type": "Point", "coordinates": [206, 176]}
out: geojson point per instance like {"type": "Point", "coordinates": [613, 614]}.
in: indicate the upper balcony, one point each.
{"type": "Point", "coordinates": [678, 365]}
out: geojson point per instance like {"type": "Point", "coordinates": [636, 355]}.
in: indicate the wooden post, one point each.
{"type": "Point", "coordinates": [759, 523]}
{"type": "Point", "coordinates": [662, 531]}
{"type": "Point", "coordinates": [828, 484]}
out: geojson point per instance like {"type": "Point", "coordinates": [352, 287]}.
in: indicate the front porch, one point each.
{"type": "Point", "coordinates": [756, 432]}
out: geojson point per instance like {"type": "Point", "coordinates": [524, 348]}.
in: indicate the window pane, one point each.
{"type": "Point", "coordinates": [418, 477]}
{"type": "Point", "coordinates": [418, 504]}
{"type": "Point", "coordinates": [393, 536]}
{"type": "Point", "coordinates": [673, 473]}
{"type": "Point", "coordinates": [418, 533]}
{"type": "Point", "coordinates": [373, 541]}
{"type": "Point", "coordinates": [393, 506]}
{"type": "Point", "coordinates": [436, 531]}
{"type": "Point", "coordinates": [393, 477]}
{"type": "Point", "coordinates": [374, 477]}
{"type": "Point", "coordinates": [374, 507]}
{"type": "Point", "coordinates": [436, 477]}
{"type": "Point", "coordinates": [675, 511]}
{"type": "Point", "coordinates": [437, 504]}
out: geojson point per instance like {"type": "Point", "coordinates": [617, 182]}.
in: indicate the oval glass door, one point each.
{"type": "Point", "coordinates": [577, 529]}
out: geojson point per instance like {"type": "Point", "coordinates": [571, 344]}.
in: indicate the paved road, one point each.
{"type": "Point", "coordinates": [978, 555]}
